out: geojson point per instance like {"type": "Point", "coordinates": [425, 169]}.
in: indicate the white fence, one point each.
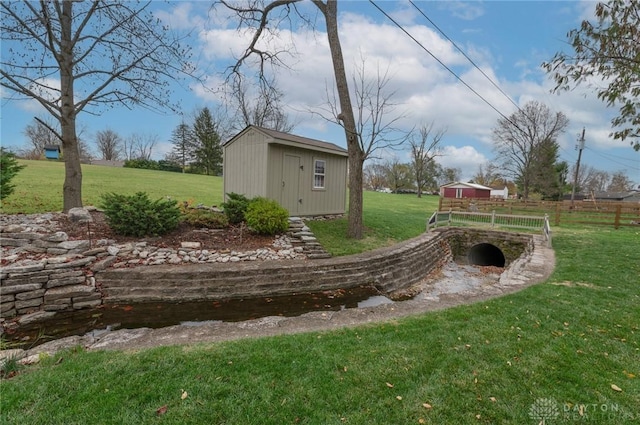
{"type": "Point", "coordinates": [451, 218]}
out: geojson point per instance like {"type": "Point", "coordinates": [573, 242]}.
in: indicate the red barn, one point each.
{"type": "Point", "coordinates": [465, 190]}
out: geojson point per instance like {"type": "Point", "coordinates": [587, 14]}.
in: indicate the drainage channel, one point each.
{"type": "Point", "coordinates": [158, 315]}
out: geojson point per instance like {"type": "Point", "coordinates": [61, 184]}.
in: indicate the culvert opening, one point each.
{"type": "Point", "coordinates": [485, 254]}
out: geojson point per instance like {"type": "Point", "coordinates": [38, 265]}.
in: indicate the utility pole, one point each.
{"type": "Point", "coordinates": [579, 146]}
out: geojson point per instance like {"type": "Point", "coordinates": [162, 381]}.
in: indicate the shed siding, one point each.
{"type": "Point", "coordinates": [245, 165]}
{"type": "Point", "coordinates": [330, 200]}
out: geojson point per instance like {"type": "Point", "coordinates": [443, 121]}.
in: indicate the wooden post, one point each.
{"type": "Point", "coordinates": [440, 204]}
{"type": "Point", "coordinates": [616, 222]}
{"type": "Point", "coordinates": [558, 210]}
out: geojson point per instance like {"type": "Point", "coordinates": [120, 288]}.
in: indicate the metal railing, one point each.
{"type": "Point", "coordinates": [450, 218]}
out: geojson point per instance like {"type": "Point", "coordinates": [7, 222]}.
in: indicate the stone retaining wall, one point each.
{"type": "Point", "coordinates": [81, 277]}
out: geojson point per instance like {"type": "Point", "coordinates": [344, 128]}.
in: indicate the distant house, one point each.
{"type": "Point", "coordinates": [465, 190]}
{"type": "Point", "coordinates": [631, 196]}
{"type": "Point", "coordinates": [52, 151]}
{"type": "Point", "coordinates": [306, 176]}
{"type": "Point", "coordinates": [500, 193]}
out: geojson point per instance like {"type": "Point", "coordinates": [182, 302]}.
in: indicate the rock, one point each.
{"type": "Point", "coordinates": [80, 215]}
{"type": "Point", "coordinates": [190, 245]}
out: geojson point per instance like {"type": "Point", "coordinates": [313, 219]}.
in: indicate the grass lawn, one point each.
{"type": "Point", "coordinates": [38, 187]}
{"type": "Point", "coordinates": [566, 350]}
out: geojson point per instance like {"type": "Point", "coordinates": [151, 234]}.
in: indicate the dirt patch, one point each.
{"type": "Point", "coordinates": [236, 238]}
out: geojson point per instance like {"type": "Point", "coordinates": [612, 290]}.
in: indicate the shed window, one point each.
{"type": "Point", "coordinates": [318, 173]}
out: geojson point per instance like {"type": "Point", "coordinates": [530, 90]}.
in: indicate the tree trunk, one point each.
{"type": "Point", "coordinates": [72, 188]}
{"type": "Point", "coordinates": [356, 156]}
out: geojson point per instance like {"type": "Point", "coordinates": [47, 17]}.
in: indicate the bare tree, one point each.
{"type": "Point", "coordinates": [73, 56]}
{"type": "Point", "coordinates": [261, 19]}
{"type": "Point", "coordinates": [109, 144]}
{"type": "Point", "coordinates": [375, 176]}
{"type": "Point", "coordinates": [620, 182]}
{"type": "Point", "coordinates": [140, 146]}
{"type": "Point", "coordinates": [40, 134]}
{"type": "Point", "coordinates": [517, 140]}
{"type": "Point", "coordinates": [424, 148]}
{"type": "Point", "coordinates": [449, 175]}
{"type": "Point", "coordinates": [488, 175]}
{"type": "Point", "coordinates": [263, 109]}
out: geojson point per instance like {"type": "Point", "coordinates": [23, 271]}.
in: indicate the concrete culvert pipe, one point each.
{"type": "Point", "coordinates": [485, 254]}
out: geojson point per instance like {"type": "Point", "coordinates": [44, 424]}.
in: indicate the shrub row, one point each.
{"type": "Point", "coordinates": [139, 216]}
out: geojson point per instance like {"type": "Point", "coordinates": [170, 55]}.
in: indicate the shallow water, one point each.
{"type": "Point", "coordinates": [158, 315]}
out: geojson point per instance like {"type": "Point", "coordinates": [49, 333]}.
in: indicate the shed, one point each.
{"type": "Point", "coordinates": [500, 192]}
{"type": "Point", "coordinates": [52, 151]}
{"type": "Point", "coordinates": [465, 190]}
{"type": "Point", "coordinates": [306, 176]}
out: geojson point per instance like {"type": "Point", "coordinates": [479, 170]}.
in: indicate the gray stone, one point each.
{"type": "Point", "coordinates": [67, 292]}
{"type": "Point", "coordinates": [13, 242]}
{"type": "Point", "coordinates": [113, 250]}
{"type": "Point", "coordinates": [56, 237]}
{"type": "Point", "coordinates": [35, 302]}
{"type": "Point", "coordinates": [77, 305]}
{"type": "Point", "coordinates": [6, 290]}
{"type": "Point", "coordinates": [5, 298]}
{"type": "Point", "coordinates": [74, 245]}
{"type": "Point", "coordinates": [76, 263]}
{"type": "Point", "coordinates": [80, 215]}
{"type": "Point", "coordinates": [53, 283]}
{"type": "Point", "coordinates": [35, 317]}
{"type": "Point", "coordinates": [104, 264]}
{"type": "Point", "coordinates": [29, 295]}
{"type": "Point", "coordinates": [190, 245]}
{"type": "Point", "coordinates": [25, 268]}
{"type": "Point", "coordinates": [6, 306]}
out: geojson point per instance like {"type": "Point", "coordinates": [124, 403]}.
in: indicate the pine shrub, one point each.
{"type": "Point", "coordinates": [236, 207]}
{"type": "Point", "coordinates": [138, 216]}
{"type": "Point", "coordinates": [205, 218]}
{"type": "Point", "coordinates": [9, 167]}
{"type": "Point", "coordinates": [266, 216]}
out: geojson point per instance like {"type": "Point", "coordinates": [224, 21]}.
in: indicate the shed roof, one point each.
{"type": "Point", "coordinates": [52, 148]}
{"type": "Point", "coordinates": [293, 140]}
{"type": "Point", "coordinates": [472, 185]}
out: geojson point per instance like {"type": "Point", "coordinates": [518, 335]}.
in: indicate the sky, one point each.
{"type": "Point", "coordinates": [507, 40]}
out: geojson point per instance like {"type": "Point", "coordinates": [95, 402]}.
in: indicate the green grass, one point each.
{"type": "Point", "coordinates": [388, 219]}
{"type": "Point", "coordinates": [38, 187]}
{"type": "Point", "coordinates": [568, 339]}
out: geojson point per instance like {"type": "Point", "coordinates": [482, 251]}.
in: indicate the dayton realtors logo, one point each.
{"type": "Point", "coordinates": [547, 411]}
{"type": "Point", "coordinates": [543, 410]}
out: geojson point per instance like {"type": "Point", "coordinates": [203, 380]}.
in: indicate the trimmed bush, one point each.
{"type": "Point", "coordinates": [205, 218]}
{"type": "Point", "coordinates": [266, 216]}
{"type": "Point", "coordinates": [236, 207]}
{"type": "Point", "coordinates": [137, 215]}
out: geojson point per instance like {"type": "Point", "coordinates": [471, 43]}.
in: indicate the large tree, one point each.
{"type": "Point", "coordinates": [184, 145]}
{"type": "Point", "coordinates": [519, 141]}
{"type": "Point", "coordinates": [75, 56]}
{"type": "Point", "coordinates": [263, 20]}
{"type": "Point", "coordinates": [425, 146]}
{"type": "Point", "coordinates": [208, 148]}
{"type": "Point", "coordinates": [607, 54]}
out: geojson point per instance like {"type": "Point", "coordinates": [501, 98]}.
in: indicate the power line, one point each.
{"type": "Point", "coordinates": [445, 66]}
{"type": "Point", "coordinates": [465, 55]}
{"type": "Point", "coordinates": [608, 158]}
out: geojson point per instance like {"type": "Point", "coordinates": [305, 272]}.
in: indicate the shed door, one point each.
{"type": "Point", "coordinates": [290, 195]}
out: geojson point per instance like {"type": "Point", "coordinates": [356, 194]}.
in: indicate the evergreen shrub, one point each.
{"type": "Point", "coordinates": [266, 216]}
{"type": "Point", "coordinates": [138, 216]}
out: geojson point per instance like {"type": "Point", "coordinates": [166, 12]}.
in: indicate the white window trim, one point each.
{"type": "Point", "coordinates": [324, 174]}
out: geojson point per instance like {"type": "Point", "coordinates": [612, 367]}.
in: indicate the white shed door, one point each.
{"type": "Point", "coordinates": [290, 195]}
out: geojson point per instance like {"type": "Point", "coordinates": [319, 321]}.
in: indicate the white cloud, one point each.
{"type": "Point", "coordinates": [466, 158]}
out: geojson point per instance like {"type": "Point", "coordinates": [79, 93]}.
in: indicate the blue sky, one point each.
{"type": "Point", "coordinates": [507, 39]}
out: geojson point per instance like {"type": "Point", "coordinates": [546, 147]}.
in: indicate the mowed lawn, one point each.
{"type": "Point", "coordinates": [566, 350]}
